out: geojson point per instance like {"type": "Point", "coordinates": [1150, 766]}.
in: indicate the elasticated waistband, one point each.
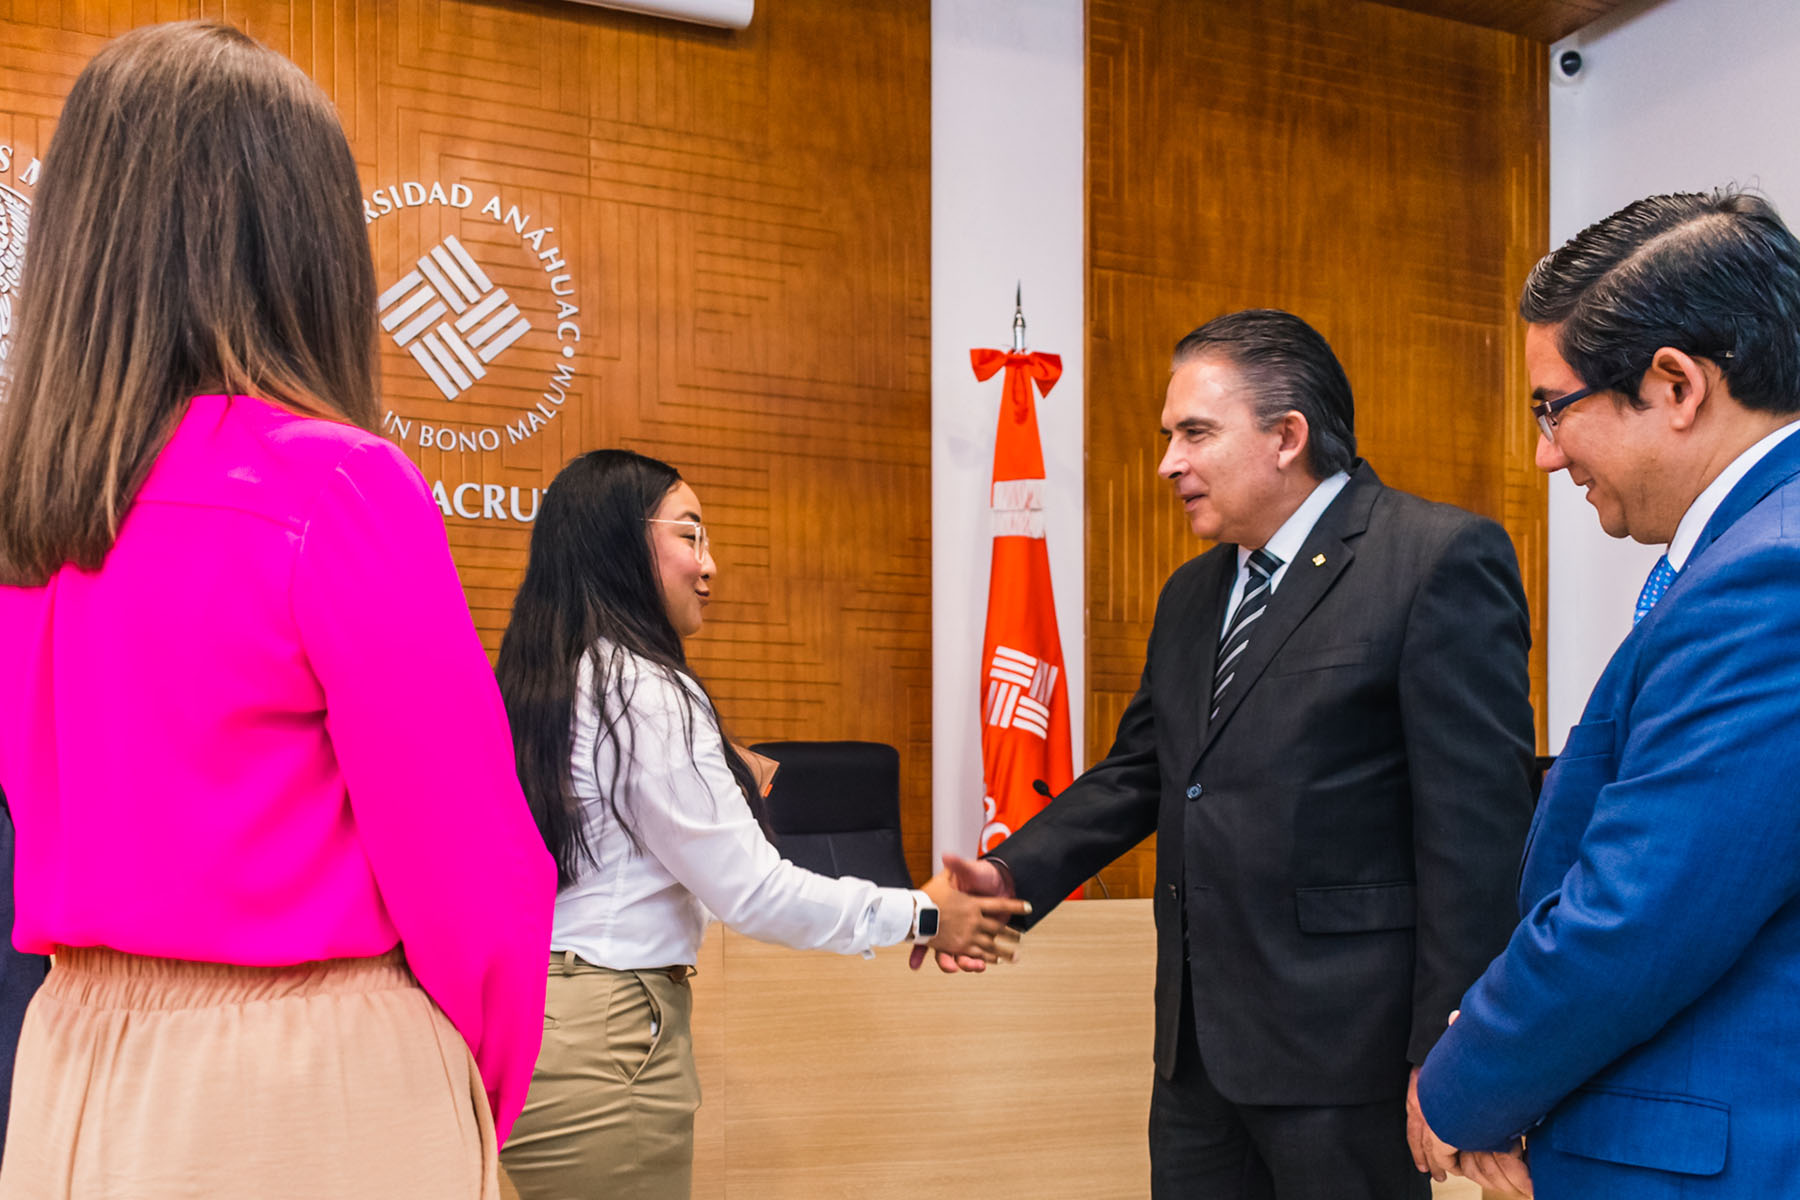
{"type": "Point", "coordinates": [103, 978]}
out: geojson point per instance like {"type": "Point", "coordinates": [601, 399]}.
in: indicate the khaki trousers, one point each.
{"type": "Point", "coordinates": [153, 1079]}
{"type": "Point", "coordinates": [610, 1114]}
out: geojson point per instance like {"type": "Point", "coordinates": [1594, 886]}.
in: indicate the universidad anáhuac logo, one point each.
{"type": "Point", "coordinates": [495, 319]}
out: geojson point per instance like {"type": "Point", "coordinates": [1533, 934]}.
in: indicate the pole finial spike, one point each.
{"type": "Point", "coordinates": [1018, 317]}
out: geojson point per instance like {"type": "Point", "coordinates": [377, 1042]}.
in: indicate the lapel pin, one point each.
{"type": "Point", "coordinates": [1318, 560]}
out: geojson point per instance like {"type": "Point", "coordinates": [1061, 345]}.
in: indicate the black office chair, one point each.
{"type": "Point", "coordinates": [835, 808]}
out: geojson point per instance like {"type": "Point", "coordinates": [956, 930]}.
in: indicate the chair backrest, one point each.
{"type": "Point", "coordinates": [835, 808]}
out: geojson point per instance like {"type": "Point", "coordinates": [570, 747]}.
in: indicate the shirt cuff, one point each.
{"type": "Point", "coordinates": [1012, 886]}
{"type": "Point", "coordinates": [893, 917]}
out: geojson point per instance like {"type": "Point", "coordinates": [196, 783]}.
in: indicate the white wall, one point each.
{"type": "Point", "coordinates": [1007, 84]}
{"type": "Point", "coordinates": [1682, 95]}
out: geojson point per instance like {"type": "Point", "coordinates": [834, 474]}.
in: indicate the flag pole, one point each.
{"type": "Point", "coordinates": [1025, 742]}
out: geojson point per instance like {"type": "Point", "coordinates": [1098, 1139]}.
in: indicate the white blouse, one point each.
{"type": "Point", "coordinates": [704, 853]}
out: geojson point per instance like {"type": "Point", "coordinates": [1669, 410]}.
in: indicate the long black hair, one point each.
{"type": "Point", "coordinates": [591, 591]}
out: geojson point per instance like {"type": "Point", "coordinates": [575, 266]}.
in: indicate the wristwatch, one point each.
{"type": "Point", "coordinates": [925, 918]}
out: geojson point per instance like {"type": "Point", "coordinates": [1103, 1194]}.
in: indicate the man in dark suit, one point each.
{"type": "Point", "coordinates": [1643, 1026]}
{"type": "Point", "coordinates": [1332, 742]}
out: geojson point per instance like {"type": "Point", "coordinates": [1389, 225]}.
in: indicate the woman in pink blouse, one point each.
{"type": "Point", "coordinates": [263, 783]}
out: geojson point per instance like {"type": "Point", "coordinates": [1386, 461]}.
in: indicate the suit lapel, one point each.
{"type": "Point", "coordinates": [1776, 468]}
{"type": "Point", "coordinates": [1322, 558]}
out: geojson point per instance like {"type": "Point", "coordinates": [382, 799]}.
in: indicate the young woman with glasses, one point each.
{"type": "Point", "coordinates": [267, 814]}
{"type": "Point", "coordinates": [655, 822]}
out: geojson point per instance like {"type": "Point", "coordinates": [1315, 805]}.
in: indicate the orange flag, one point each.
{"type": "Point", "coordinates": [1025, 698]}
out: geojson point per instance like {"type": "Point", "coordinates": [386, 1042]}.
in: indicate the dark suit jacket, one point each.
{"type": "Point", "coordinates": [1642, 1023]}
{"type": "Point", "coordinates": [20, 974]}
{"type": "Point", "coordinates": [1336, 854]}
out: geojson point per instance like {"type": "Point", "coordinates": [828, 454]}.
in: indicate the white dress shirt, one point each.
{"type": "Point", "coordinates": [703, 850]}
{"type": "Point", "coordinates": [1707, 502]}
{"type": "Point", "coordinates": [1287, 540]}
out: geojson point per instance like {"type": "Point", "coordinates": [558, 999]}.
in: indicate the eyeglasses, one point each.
{"type": "Point", "coordinates": [1546, 411]}
{"type": "Point", "coordinates": [695, 534]}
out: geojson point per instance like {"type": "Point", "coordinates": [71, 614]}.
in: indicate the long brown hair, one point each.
{"type": "Point", "coordinates": [198, 227]}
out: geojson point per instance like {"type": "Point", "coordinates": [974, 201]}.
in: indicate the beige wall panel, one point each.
{"type": "Point", "coordinates": [824, 1076]}
{"type": "Point", "coordinates": [832, 1076]}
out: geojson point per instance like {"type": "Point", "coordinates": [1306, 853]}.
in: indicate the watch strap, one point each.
{"type": "Point", "coordinates": [925, 918]}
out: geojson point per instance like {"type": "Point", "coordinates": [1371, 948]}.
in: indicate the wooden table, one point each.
{"type": "Point", "coordinates": [826, 1076]}
{"type": "Point", "coordinates": [833, 1077]}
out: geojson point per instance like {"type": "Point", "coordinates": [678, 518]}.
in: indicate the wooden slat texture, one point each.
{"type": "Point", "coordinates": [1542, 20]}
{"type": "Point", "coordinates": [1381, 173]}
{"type": "Point", "coordinates": [830, 1076]}
{"type": "Point", "coordinates": [824, 1076]}
{"type": "Point", "coordinates": [745, 221]}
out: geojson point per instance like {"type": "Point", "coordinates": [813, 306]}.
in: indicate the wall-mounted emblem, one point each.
{"type": "Point", "coordinates": [451, 317]}
{"type": "Point", "coordinates": [18, 174]}
{"type": "Point", "coordinates": [472, 306]}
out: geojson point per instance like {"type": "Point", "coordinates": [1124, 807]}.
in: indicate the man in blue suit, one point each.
{"type": "Point", "coordinates": [1641, 1031]}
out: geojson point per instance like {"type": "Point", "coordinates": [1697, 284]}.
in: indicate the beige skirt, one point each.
{"type": "Point", "coordinates": [151, 1079]}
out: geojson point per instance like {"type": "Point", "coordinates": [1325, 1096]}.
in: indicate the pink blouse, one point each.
{"type": "Point", "coordinates": [264, 732]}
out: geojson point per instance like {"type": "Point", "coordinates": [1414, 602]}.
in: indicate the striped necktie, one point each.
{"type": "Point", "coordinates": [1257, 586]}
{"type": "Point", "coordinates": [1661, 576]}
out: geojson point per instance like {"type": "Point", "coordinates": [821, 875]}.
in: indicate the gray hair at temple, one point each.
{"type": "Point", "coordinates": [1287, 366]}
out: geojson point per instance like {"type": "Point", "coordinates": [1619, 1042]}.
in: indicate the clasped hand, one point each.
{"type": "Point", "coordinates": [975, 908]}
{"type": "Point", "coordinates": [1501, 1171]}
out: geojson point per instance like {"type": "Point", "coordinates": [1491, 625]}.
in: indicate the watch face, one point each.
{"type": "Point", "coordinates": [928, 923]}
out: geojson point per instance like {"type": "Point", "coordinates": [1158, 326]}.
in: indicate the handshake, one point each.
{"type": "Point", "coordinates": [975, 907]}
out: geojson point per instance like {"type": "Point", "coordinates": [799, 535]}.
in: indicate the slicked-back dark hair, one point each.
{"type": "Point", "coordinates": [1287, 366]}
{"type": "Point", "coordinates": [1705, 273]}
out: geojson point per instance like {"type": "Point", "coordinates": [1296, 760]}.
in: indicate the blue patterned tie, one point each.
{"type": "Point", "coordinates": [1661, 576]}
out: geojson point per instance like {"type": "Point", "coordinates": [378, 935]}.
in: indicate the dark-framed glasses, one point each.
{"type": "Point", "coordinates": [693, 531]}
{"type": "Point", "coordinates": [1547, 411]}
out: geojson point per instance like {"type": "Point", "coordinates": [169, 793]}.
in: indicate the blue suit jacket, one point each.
{"type": "Point", "coordinates": [1643, 1025]}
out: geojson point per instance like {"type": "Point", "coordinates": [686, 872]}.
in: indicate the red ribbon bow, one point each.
{"type": "Point", "coordinates": [1018, 454]}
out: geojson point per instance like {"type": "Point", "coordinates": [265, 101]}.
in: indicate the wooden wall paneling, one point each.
{"type": "Point", "coordinates": [794, 380]}
{"type": "Point", "coordinates": [1382, 174]}
{"type": "Point", "coordinates": [744, 219]}
{"type": "Point", "coordinates": [713, 995]}
{"type": "Point", "coordinates": [830, 1076]}
{"type": "Point", "coordinates": [1542, 20]}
